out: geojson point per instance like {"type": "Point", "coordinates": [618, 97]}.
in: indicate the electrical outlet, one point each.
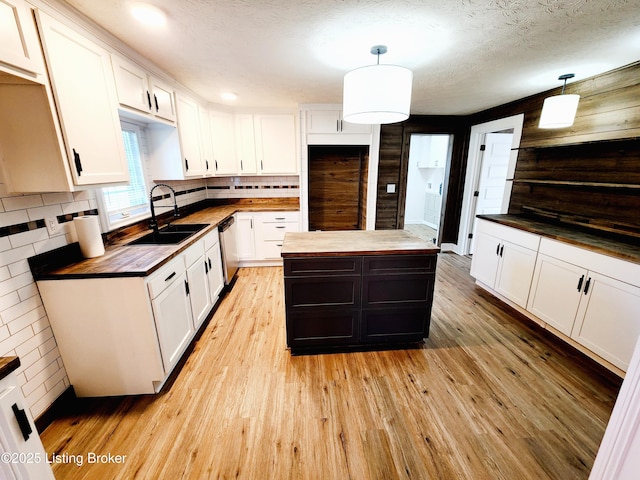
{"type": "Point", "coordinates": [53, 227]}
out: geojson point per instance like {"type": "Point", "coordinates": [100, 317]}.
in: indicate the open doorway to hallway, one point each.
{"type": "Point", "coordinates": [428, 156]}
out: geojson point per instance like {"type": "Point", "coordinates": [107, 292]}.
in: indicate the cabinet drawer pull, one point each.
{"type": "Point", "coordinates": [173, 274]}
{"type": "Point", "coordinates": [278, 244]}
{"type": "Point", "coordinates": [586, 287]}
{"type": "Point", "coordinates": [280, 218]}
{"type": "Point", "coordinates": [23, 421]}
{"type": "Point", "coordinates": [281, 226]}
{"type": "Point", "coordinates": [76, 159]}
{"type": "Point", "coordinates": [580, 282]}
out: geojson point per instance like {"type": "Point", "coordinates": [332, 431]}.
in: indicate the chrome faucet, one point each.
{"type": "Point", "coordinates": [153, 224]}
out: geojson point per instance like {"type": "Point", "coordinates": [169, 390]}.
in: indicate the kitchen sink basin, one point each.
{"type": "Point", "coordinates": [170, 235]}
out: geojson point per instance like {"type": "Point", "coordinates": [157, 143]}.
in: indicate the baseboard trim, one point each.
{"type": "Point", "coordinates": [57, 409]}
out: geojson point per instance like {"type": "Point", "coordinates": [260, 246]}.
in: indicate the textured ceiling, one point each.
{"type": "Point", "coordinates": [467, 55]}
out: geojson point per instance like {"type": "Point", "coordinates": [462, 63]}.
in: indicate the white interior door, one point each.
{"type": "Point", "coordinates": [493, 175]}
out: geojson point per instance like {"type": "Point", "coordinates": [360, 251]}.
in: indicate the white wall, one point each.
{"type": "Point", "coordinates": [423, 180]}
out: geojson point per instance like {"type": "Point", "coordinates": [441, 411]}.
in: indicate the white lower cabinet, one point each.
{"type": "Point", "coordinates": [213, 259]}
{"type": "Point", "coordinates": [197, 288]}
{"type": "Point", "coordinates": [590, 298]}
{"type": "Point", "coordinates": [556, 291]}
{"type": "Point", "coordinates": [245, 236]}
{"type": "Point", "coordinates": [504, 260]}
{"type": "Point", "coordinates": [260, 235]}
{"type": "Point", "coordinates": [597, 311]}
{"type": "Point", "coordinates": [173, 317]}
{"type": "Point", "coordinates": [124, 335]}
{"type": "Point", "coordinates": [22, 453]}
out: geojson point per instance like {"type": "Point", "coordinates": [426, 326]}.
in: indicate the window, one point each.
{"type": "Point", "coordinates": [125, 204]}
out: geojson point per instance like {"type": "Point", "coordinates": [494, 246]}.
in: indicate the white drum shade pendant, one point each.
{"type": "Point", "coordinates": [377, 93]}
{"type": "Point", "coordinates": [559, 111]}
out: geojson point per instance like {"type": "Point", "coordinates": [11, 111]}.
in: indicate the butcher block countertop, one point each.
{"type": "Point", "coordinates": [8, 365]}
{"type": "Point", "coordinates": [121, 260]}
{"type": "Point", "coordinates": [355, 242]}
{"type": "Point", "coordinates": [623, 250]}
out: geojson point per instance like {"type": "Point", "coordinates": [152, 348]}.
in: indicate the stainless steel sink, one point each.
{"type": "Point", "coordinates": [170, 235]}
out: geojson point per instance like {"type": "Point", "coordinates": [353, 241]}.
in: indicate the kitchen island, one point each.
{"type": "Point", "coordinates": [357, 289]}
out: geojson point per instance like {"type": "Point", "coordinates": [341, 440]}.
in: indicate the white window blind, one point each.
{"type": "Point", "coordinates": [129, 200]}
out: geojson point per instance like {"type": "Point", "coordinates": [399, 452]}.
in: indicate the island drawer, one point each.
{"type": "Point", "coordinates": [322, 266]}
{"type": "Point", "coordinates": [322, 292]}
{"type": "Point", "coordinates": [414, 289]}
{"type": "Point", "coordinates": [384, 264]}
{"type": "Point", "coordinates": [395, 325]}
{"type": "Point", "coordinates": [329, 326]}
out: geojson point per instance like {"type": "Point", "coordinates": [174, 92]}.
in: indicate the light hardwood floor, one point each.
{"type": "Point", "coordinates": [488, 396]}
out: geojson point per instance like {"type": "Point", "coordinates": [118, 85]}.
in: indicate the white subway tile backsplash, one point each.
{"type": "Point", "coordinates": [44, 367]}
{"type": "Point", "coordinates": [77, 206]}
{"type": "Point", "coordinates": [41, 325]}
{"type": "Point", "coordinates": [8, 301]}
{"type": "Point", "coordinates": [4, 332]}
{"type": "Point", "coordinates": [22, 202]}
{"type": "Point", "coordinates": [21, 253]}
{"type": "Point", "coordinates": [44, 212]}
{"type": "Point", "coordinates": [58, 197]}
{"type": "Point", "coordinates": [34, 342]}
{"type": "Point", "coordinates": [4, 273]}
{"type": "Point", "coordinates": [5, 244]}
{"type": "Point", "coordinates": [13, 218]}
{"type": "Point", "coordinates": [40, 403]}
{"type": "Point", "coordinates": [50, 243]}
{"type": "Point", "coordinates": [16, 268]}
{"type": "Point", "coordinates": [31, 236]}
{"type": "Point", "coordinates": [15, 340]}
{"type": "Point", "coordinates": [25, 320]}
{"type": "Point", "coordinates": [10, 314]}
{"type": "Point", "coordinates": [15, 283]}
{"type": "Point", "coordinates": [27, 291]}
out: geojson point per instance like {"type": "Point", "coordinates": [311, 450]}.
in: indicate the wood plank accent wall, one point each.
{"type": "Point", "coordinates": [587, 175]}
{"type": "Point", "coordinates": [590, 170]}
{"type": "Point", "coordinates": [336, 178]}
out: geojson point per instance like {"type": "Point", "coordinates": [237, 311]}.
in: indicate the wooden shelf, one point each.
{"type": "Point", "coordinates": [572, 183]}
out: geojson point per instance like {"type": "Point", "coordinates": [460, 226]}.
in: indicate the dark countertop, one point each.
{"type": "Point", "coordinates": [121, 260]}
{"type": "Point", "coordinates": [8, 365]}
{"type": "Point", "coordinates": [355, 242]}
{"type": "Point", "coordinates": [596, 243]}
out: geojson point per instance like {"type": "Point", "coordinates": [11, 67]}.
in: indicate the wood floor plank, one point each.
{"type": "Point", "coordinates": [489, 395]}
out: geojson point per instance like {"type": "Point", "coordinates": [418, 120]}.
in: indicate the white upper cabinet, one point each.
{"type": "Point", "coordinates": [246, 144]}
{"type": "Point", "coordinates": [330, 121]}
{"type": "Point", "coordinates": [142, 92]}
{"type": "Point", "coordinates": [189, 132]}
{"type": "Point", "coordinates": [206, 146]}
{"type": "Point", "coordinates": [85, 95]}
{"type": "Point", "coordinates": [223, 142]}
{"type": "Point", "coordinates": [275, 137]}
{"type": "Point", "coordinates": [20, 52]}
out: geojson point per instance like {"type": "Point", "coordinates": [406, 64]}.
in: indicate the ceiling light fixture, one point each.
{"type": "Point", "coordinates": [148, 14]}
{"type": "Point", "coordinates": [377, 93]}
{"type": "Point", "coordinates": [229, 96]}
{"type": "Point", "coordinates": [559, 111]}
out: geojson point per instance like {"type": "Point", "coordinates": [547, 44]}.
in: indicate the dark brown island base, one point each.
{"type": "Point", "coordinates": [354, 290]}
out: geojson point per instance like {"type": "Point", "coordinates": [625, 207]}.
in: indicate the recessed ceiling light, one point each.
{"type": "Point", "coordinates": [148, 14]}
{"type": "Point", "coordinates": [228, 96]}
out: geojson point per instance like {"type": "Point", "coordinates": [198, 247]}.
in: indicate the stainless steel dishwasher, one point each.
{"type": "Point", "coordinates": [227, 232]}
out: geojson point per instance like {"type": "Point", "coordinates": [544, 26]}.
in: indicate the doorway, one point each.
{"type": "Point", "coordinates": [428, 157]}
{"type": "Point", "coordinates": [338, 176]}
{"type": "Point", "coordinates": [477, 139]}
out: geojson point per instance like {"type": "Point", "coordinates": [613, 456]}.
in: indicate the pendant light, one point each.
{"type": "Point", "coordinates": [377, 93]}
{"type": "Point", "coordinates": [559, 111]}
